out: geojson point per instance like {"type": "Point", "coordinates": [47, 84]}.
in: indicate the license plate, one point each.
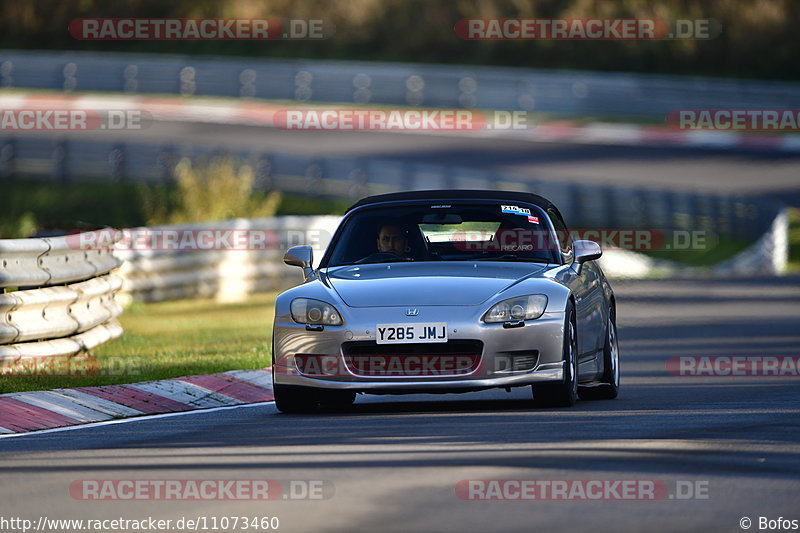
{"type": "Point", "coordinates": [406, 333]}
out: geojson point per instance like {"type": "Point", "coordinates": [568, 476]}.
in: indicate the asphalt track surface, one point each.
{"type": "Point", "coordinates": [686, 168]}
{"type": "Point", "coordinates": [393, 462]}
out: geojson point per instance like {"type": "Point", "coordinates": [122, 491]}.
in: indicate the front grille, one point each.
{"type": "Point", "coordinates": [452, 358]}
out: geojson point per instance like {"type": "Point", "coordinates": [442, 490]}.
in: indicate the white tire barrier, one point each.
{"type": "Point", "coordinates": [225, 274]}
{"type": "Point", "coordinates": [66, 303]}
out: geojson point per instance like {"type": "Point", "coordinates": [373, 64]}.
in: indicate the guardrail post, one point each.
{"type": "Point", "coordinates": [59, 162]}
{"type": "Point", "coordinates": [739, 216]}
{"type": "Point", "coordinates": [247, 79]}
{"type": "Point", "coordinates": [358, 181]}
{"type": "Point", "coordinates": [641, 214]}
{"type": "Point", "coordinates": [6, 74]}
{"type": "Point", "coordinates": [7, 159]}
{"type": "Point", "coordinates": [314, 179]}
{"type": "Point", "coordinates": [264, 180]}
{"type": "Point", "coordinates": [712, 214]}
{"type": "Point", "coordinates": [362, 93]}
{"type": "Point", "coordinates": [724, 211]}
{"type": "Point", "coordinates": [130, 84]}
{"type": "Point", "coordinates": [576, 196]}
{"type": "Point", "coordinates": [610, 208]}
{"type": "Point", "coordinates": [70, 72]}
{"type": "Point", "coordinates": [697, 218]}
{"type": "Point", "coordinates": [116, 160]}
{"type": "Point", "coordinates": [166, 160]}
{"type": "Point", "coordinates": [188, 85]}
{"type": "Point", "coordinates": [670, 207]}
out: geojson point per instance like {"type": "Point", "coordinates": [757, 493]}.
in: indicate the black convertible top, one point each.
{"type": "Point", "coordinates": [456, 194]}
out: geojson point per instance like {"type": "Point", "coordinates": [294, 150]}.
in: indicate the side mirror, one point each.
{"type": "Point", "coordinates": [585, 251]}
{"type": "Point", "coordinates": [300, 256]}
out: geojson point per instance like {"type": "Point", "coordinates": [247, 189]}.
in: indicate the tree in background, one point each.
{"type": "Point", "coordinates": [758, 36]}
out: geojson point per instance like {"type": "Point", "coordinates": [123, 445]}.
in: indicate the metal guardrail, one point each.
{"type": "Point", "coordinates": [51, 261]}
{"type": "Point", "coordinates": [65, 347]}
{"type": "Point", "coordinates": [224, 274]}
{"type": "Point", "coordinates": [66, 305]}
{"type": "Point", "coordinates": [54, 312]}
{"type": "Point", "coordinates": [584, 206]}
{"type": "Point", "coordinates": [550, 91]}
{"type": "Point", "coordinates": [768, 256]}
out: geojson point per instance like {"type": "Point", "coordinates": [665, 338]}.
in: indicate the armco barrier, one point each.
{"type": "Point", "coordinates": [583, 205]}
{"type": "Point", "coordinates": [768, 256]}
{"type": "Point", "coordinates": [221, 272]}
{"type": "Point", "coordinates": [65, 304]}
{"type": "Point", "coordinates": [550, 91]}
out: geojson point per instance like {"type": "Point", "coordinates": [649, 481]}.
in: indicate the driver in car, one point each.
{"type": "Point", "coordinates": [392, 239]}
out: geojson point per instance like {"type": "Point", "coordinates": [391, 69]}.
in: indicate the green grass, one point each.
{"type": "Point", "coordinates": [715, 252]}
{"type": "Point", "coordinates": [170, 339]}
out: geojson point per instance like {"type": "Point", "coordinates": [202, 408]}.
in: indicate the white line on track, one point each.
{"type": "Point", "coordinates": [131, 419]}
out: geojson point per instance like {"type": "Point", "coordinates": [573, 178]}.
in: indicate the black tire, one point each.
{"type": "Point", "coordinates": [609, 387]}
{"type": "Point", "coordinates": [563, 394]}
{"type": "Point", "coordinates": [293, 399]}
{"type": "Point", "coordinates": [339, 400]}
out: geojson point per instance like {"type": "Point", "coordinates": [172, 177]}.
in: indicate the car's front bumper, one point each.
{"type": "Point", "coordinates": [542, 337]}
{"type": "Point", "coordinates": [554, 372]}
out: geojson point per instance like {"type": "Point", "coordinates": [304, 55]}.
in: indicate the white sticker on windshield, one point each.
{"type": "Point", "coordinates": [515, 210]}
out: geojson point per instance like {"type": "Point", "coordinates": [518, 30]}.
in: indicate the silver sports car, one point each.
{"type": "Point", "coordinates": [446, 291]}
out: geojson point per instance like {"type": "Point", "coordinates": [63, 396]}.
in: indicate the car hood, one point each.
{"type": "Point", "coordinates": [429, 283]}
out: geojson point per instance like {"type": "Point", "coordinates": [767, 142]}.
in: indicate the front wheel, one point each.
{"type": "Point", "coordinates": [563, 394]}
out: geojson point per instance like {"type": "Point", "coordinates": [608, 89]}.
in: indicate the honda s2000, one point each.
{"type": "Point", "coordinates": [447, 291]}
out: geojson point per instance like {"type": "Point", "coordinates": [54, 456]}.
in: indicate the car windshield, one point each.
{"type": "Point", "coordinates": [494, 231]}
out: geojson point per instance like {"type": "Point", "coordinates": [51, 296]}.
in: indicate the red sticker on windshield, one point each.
{"type": "Point", "coordinates": [533, 220]}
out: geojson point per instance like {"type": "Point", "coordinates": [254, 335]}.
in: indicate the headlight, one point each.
{"type": "Point", "coordinates": [520, 308]}
{"type": "Point", "coordinates": [308, 311]}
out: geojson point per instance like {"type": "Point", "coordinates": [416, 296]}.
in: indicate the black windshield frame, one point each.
{"type": "Point", "coordinates": [403, 210]}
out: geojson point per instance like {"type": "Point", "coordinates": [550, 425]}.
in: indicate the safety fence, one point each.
{"type": "Point", "coordinates": [568, 93]}
{"type": "Point", "coordinates": [226, 260]}
{"type": "Point", "coordinates": [58, 297]}
{"type": "Point", "coordinates": [738, 217]}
